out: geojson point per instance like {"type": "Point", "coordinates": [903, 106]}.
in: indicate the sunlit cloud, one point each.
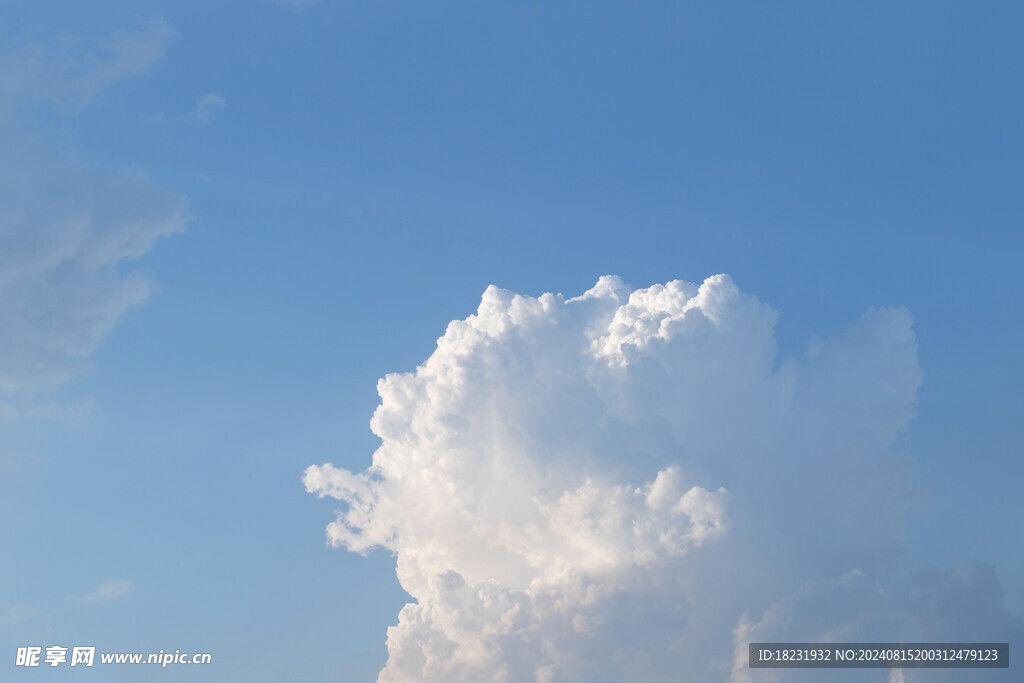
{"type": "Point", "coordinates": [618, 486]}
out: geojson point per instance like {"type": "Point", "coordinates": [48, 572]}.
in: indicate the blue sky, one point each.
{"type": "Point", "coordinates": [316, 191]}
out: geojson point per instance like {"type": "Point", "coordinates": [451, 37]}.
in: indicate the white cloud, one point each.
{"type": "Point", "coordinates": [65, 233]}
{"type": "Point", "coordinates": [206, 107]}
{"type": "Point", "coordinates": [608, 487]}
{"type": "Point", "coordinates": [71, 413]}
{"type": "Point", "coordinates": [66, 230]}
{"type": "Point", "coordinates": [108, 590]}
{"type": "Point", "coordinates": [201, 114]}
{"type": "Point", "coordinates": [74, 72]}
{"type": "Point", "coordinates": [18, 613]}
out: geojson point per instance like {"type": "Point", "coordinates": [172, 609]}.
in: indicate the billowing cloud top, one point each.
{"type": "Point", "coordinates": [616, 486]}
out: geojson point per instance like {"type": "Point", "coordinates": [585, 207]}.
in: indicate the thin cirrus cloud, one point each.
{"type": "Point", "coordinates": [626, 484]}
{"type": "Point", "coordinates": [202, 113]}
{"type": "Point", "coordinates": [206, 108]}
{"type": "Point", "coordinates": [110, 589]}
{"type": "Point", "coordinates": [74, 73]}
{"type": "Point", "coordinates": [66, 229]}
{"type": "Point", "coordinates": [17, 613]}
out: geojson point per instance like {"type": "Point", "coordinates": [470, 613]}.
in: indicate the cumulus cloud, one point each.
{"type": "Point", "coordinates": [619, 485]}
{"type": "Point", "coordinates": [108, 590]}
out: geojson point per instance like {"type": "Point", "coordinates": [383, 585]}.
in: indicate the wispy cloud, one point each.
{"type": "Point", "coordinates": [74, 72]}
{"type": "Point", "coordinates": [14, 614]}
{"type": "Point", "coordinates": [67, 231]}
{"type": "Point", "coordinates": [108, 590]}
{"type": "Point", "coordinates": [202, 113]}
{"type": "Point", "coordinates": [72, 413]}
{"type": "Point", "coordinates": [206, 107]}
